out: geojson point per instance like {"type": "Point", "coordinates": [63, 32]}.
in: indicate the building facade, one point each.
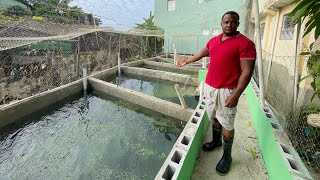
{"type": "Point", "coordinates": [189, 24]}
{"type": "Point", "coordinates": [282, 42]}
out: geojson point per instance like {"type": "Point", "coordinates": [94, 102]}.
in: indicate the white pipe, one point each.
{"type": "Point", "coordinates": [119, 63]}
{"type": "Point", "coordinates": [201, 91]}
{"type": "Point", "coordinates": [259, 52]}
{"type": "Point", "coordinates": [175, 57]}
{"type": "Point", "coordinates": [274, 37]}
{"type": "Point", "coordinates": [204, 62]}
{"type": "Point", "coordinates": [84, 78]}
{"type": "Point", "coordinates": [296, 67]}
{"type": "Point", "coordinates": [183, 103]}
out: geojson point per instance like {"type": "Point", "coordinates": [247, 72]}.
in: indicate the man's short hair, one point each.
{"type": "Point", "coordinates": [232, 13]}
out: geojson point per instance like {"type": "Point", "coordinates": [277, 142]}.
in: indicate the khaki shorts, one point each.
{"type": "Point", "coordinates": [215, 101]}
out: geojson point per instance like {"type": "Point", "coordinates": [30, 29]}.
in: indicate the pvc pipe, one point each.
{"type": "Point", "coordinates": [259, 52]}
{"type": "Point", "coordinates": [84, 78]}
{"type": "Point", "coordinates": [296, 67]}
{"type": "Point", "coordinates": [183, 103]}
{"type": "Point", "coordinates": [201, 91]}
{"type": "Point", "coordinates": [204, 62]}
{"type": "Point", "coordinates": [175, 57]}
{"type": "Point", "coordinates": [274, 37]}
{"type": "Point", "coordinates": [119, 63]}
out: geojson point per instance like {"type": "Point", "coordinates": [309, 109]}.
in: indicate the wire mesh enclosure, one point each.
{"type": "Point", "coordinates": [38, 56]}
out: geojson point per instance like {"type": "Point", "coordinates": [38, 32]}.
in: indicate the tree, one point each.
{"type": "Point", "coordinates": [17, 11]}
{"type": "Point", "coordinates": [28, 3]}
{"type": "Point", "coordinates": [150, 42]}
{"type": "Point", "coordinates": [310, 10]}
{"type": "Point", "coordinates": [148, 23]}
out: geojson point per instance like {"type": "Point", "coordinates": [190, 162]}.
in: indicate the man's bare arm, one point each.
{"type": "Point", "coordinates": [247, 67]}
{"type": "Point", "coordinates": [202, 53]}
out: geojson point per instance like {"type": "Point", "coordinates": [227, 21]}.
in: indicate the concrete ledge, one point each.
{"type": "Point", "coordinates": [134, 63]}
{"type": "Point", "coordinates": [150, 102]}
{"type": "Point", "coordinates": [113, 70]}
{"type": "Point", "coordinates": [105, 73]}
{"type": "Point", "coordinates": [181, 160]}
{"type": "Point", "coordinates": [161, 75]}
{"type": "Point", "coordinates": [15, 111]}
{"type": "Point", "coordinates": [170, 65]}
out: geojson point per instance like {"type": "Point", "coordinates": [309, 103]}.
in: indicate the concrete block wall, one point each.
{"type": "Point", "coordinates": [180, 161]}
{"type": "Point", "coordinates": [290, 157]}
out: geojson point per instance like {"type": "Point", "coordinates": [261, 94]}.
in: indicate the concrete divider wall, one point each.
{"type": "Point", "coordinates": [162, 75]}
{"type": "Point", "coordinates": [172, 66]}
{"type": "Point", "coordinates": [105, 73]}
{"type": "Point", "coordinates": [181, 159]}
{"type": "Point", "coordinates": [17, 110]}
{"type": "Point", "coordinates": [150, 102]}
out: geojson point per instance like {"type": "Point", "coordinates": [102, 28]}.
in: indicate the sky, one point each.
{"type": "Point", "coordinates": [117, 12]}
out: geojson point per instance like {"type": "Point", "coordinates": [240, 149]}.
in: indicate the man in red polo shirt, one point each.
{"type": "Point", "coordinates": [232, 59]}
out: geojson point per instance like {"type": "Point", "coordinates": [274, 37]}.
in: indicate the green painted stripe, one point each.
{"type": "Point", "coordinates": [273, 160]}
{"type": "Point", "coordinates": [202, 75]}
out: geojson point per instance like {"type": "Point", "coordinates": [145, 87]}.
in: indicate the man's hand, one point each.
{"type": "Point", "coordinates": [182, 63]}
{"type": "Point", "coordinates": [231, 101]}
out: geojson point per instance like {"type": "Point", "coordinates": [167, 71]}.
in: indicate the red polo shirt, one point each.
{"type": "Point", "coordinates": [224, 69]}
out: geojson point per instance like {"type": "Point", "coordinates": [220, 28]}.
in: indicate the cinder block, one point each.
{"type": "Point", "coordinates": [295, 166]}
{"type": "Point", "coordinates": [285, 150]}
{"type": "Point", "coordinates": [172, 165]}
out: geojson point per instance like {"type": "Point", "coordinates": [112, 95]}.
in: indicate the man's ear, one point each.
{"type": "Point", "coordinates": [238, 24]}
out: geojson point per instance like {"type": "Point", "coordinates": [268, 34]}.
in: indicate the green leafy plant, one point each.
{"type": "Point", "coordinates": [149, 42]}
{"type": "Point", "coordinates": [309, 10]}
{"type": "Point", "coordinates": [313, 66]}
{"type": "Point", "coordinates": [17, 11]}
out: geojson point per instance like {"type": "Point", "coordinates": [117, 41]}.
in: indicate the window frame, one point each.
{"type": "Point", "coordinates": [287, 28]}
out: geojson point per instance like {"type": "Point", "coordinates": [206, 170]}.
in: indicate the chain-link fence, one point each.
{"type": "Point", "coordinates": [279, 92]}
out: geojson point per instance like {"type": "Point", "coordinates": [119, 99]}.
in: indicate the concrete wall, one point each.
{"type": "Point", "coordinates": [172, 66]}
{"type": "Point", "coordinates": [161, 75]}
{"type": "Point", "coordinates": [15, 111]}
{"type": "Point", "coordinates": [184, 27]}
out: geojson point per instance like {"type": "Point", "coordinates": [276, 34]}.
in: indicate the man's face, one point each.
{"type": "Point", "coordinates": [229, 24]}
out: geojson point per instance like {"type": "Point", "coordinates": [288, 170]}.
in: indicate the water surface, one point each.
{"type": "Point", "coordinates": [92, 137]}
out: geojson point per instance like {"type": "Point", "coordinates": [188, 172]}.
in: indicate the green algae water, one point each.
{"type": "Point", "coordinates": [92, 137]}
{"type": "Point", "coordinates": [159, 88]}
{"type": "Point", "coordinates": [173, 70]}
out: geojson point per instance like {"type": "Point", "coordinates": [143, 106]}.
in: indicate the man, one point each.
{"type": "Point", "coordinates": [232, 59]}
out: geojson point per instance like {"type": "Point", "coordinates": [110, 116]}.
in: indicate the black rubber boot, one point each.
{"type": "Point", "coordinates": [216, 139]}
{"type": "Point", "coordinates": [224, 164]}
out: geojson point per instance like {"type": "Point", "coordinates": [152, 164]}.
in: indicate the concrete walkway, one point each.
{"type": "Point", "coordinates": [244, 165]}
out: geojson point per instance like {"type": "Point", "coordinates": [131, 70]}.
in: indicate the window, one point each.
{"type": "Point", "coordinates": [287, 29]}
{"type": "Point", "coordinates": [171, 5]}
{"type": "Point", "coordinates": [205, 32]}
{"type": "Point", "coordinates": [262, 30]}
